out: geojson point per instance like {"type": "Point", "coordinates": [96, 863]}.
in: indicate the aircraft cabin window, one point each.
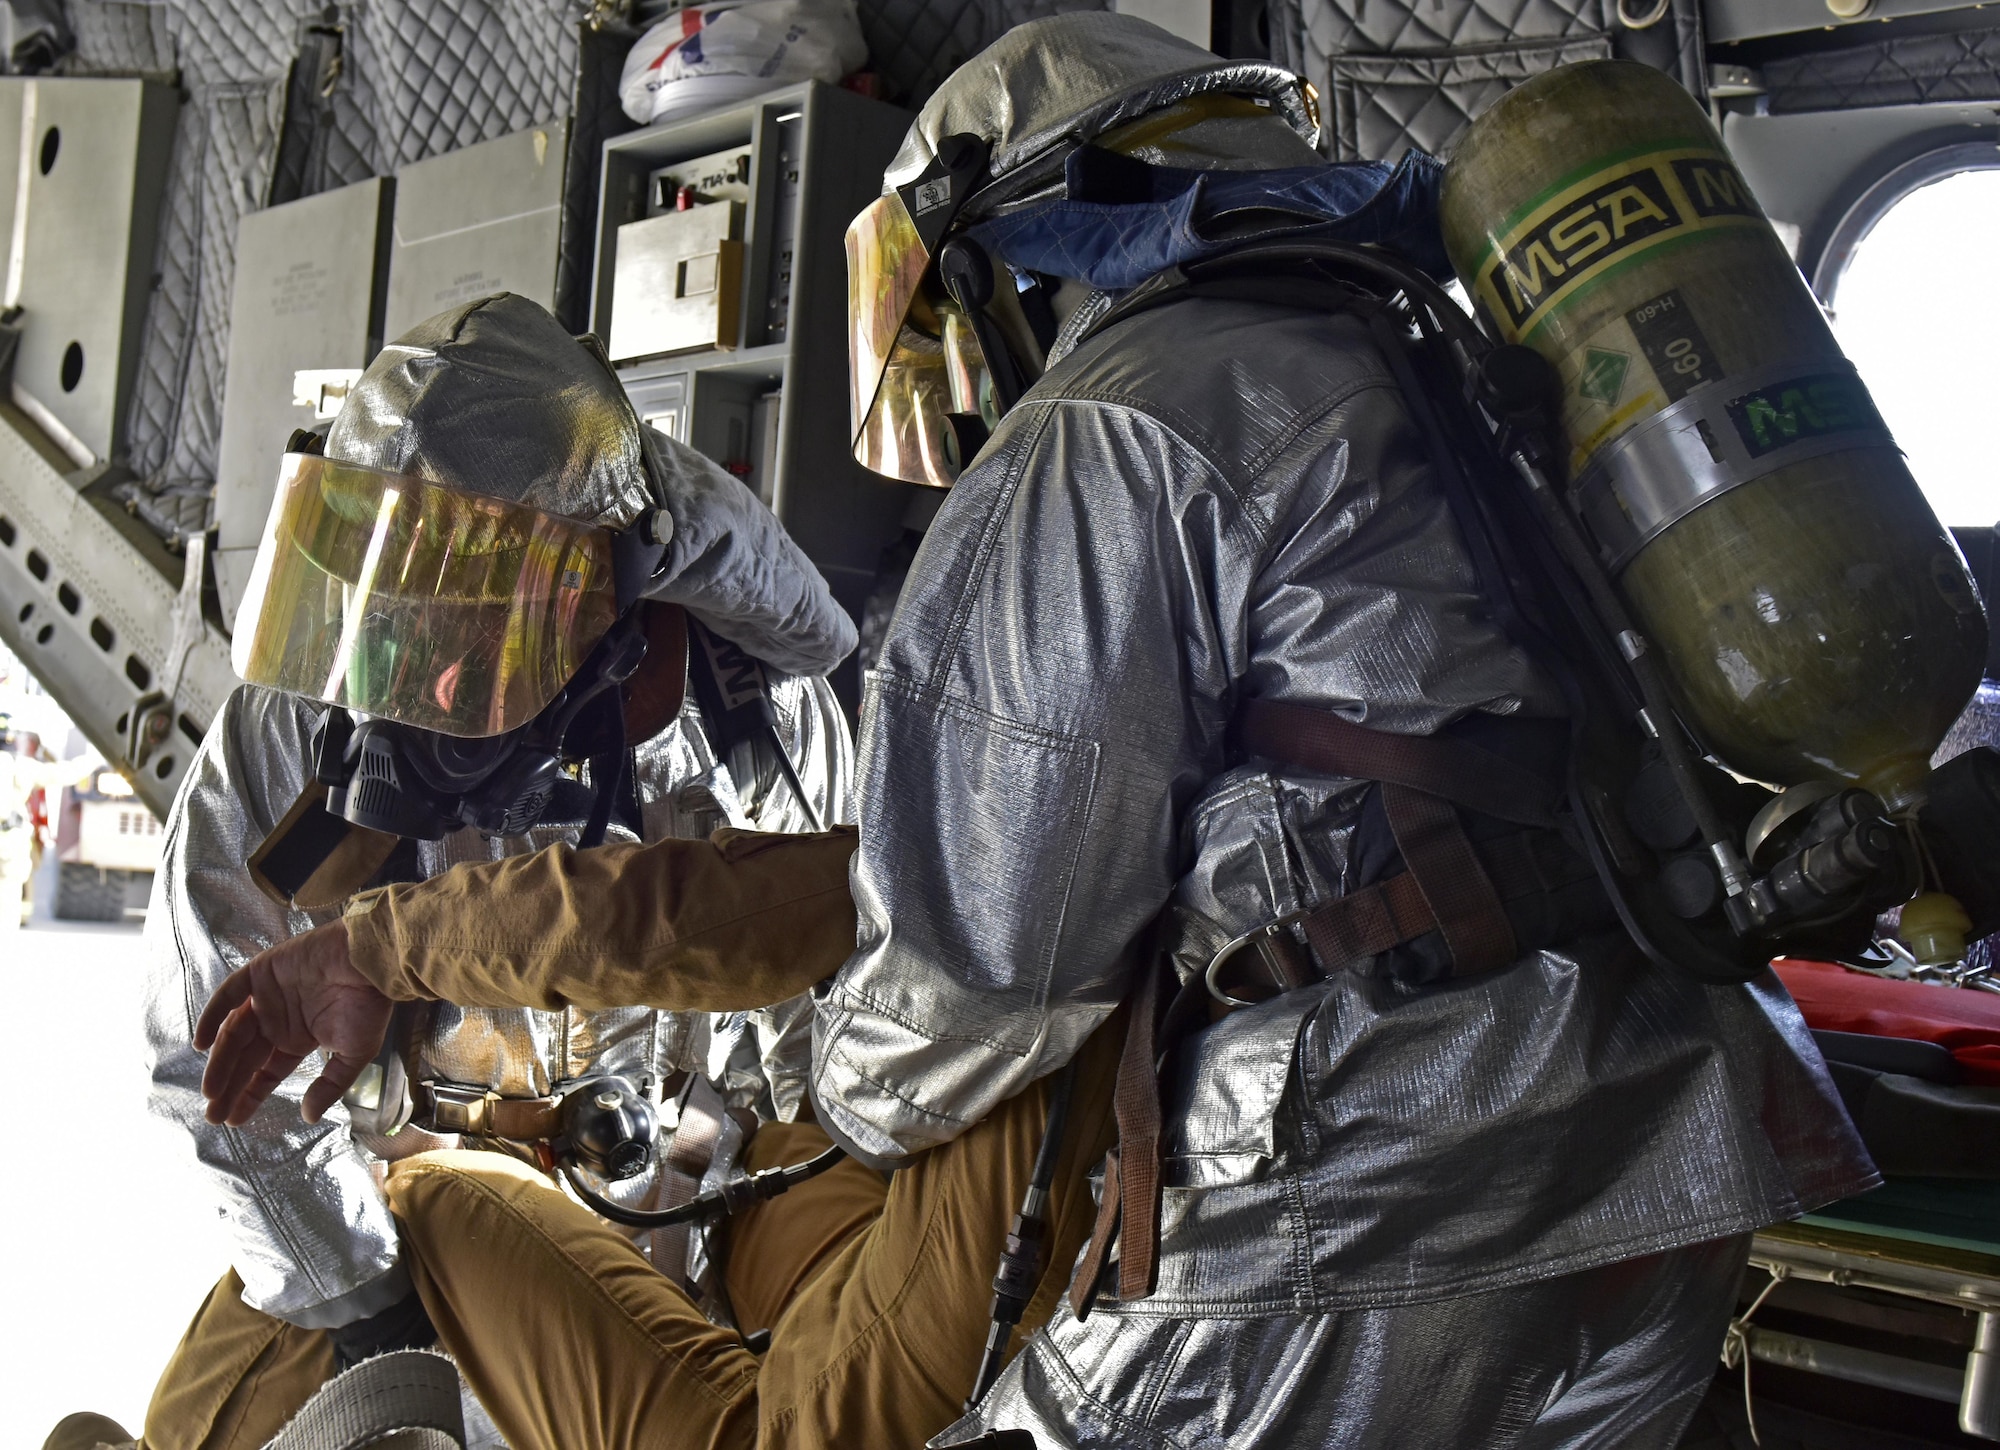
{"type": "Point", "coordinates": [1911, 280]}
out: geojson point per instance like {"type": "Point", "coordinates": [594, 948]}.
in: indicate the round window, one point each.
{"type": "Point", "coordinates": [1912, 280]}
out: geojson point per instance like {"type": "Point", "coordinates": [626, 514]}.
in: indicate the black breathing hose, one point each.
{"type": "Point", "coordinates": [791, 774]}
{"type": "Point", "coordinates": [732, 1197]}
{"type": "Point", "coordinates": [1021, 1261]}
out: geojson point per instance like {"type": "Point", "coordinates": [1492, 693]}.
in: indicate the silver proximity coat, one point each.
{"type": "Point", "coordinates": [1206, 501]}
{"type": "Point", "coordinates": [314, 1240]}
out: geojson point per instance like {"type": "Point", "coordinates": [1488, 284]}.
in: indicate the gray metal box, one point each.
{"type": "Point", "coordinates": [680, 282]}
{"type": "Point", "coordinates": [661, 401]}
{"type": "Point", "coordinates": [478, 221]}
{"type": "Point", "coordinates": [310, 282]}
{"type": "Point", "coordinates": [83, 164]}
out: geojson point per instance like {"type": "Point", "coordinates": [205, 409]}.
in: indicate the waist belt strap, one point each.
{"type": "Point", "coordinates": [1416, 902]}
{"type": "Point", "coordinates": [1370, 920]}
{"type": "Point", "coordinates": [1446, 889]}
{"type": "Point", "coordinates": [442, 1108]}
{"type": "Point", "coordinates": [689, 1152]}
{"type": "Point", "coordinates": [1320, 741]}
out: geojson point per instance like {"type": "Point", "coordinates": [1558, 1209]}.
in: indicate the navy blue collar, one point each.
{"type": "Point", "coordinates": [1123, 221]}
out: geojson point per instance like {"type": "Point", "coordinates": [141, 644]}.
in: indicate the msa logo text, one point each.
{"type": "Point", "coordinates": [1713, 188]}
{"type": "Point", "coordinates": [1587, 231]}
{"type": "Point", "coordinates": [738, 678]}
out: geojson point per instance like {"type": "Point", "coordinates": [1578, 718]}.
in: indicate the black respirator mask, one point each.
{"type": "Point", "coordinates": [387, 776]}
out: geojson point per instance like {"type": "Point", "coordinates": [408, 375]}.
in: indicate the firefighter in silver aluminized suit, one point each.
{"type": "Point", "coordinates": [495, 399]}
{"type": "Point", "coordinates": [1506, 1210]}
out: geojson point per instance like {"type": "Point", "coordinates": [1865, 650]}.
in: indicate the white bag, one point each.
{"type": "Point", "coordinates": [709, 55]}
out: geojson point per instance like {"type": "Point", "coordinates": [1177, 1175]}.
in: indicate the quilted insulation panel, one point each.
{"type": "Point", "coordinates": [1961, 65]}
{"type": "Point", "coordinates": [914, 44]}
{"type": "Point", "coordinates": [418, 78]}
{"type": "Point", "coordinates": [1402, 73]}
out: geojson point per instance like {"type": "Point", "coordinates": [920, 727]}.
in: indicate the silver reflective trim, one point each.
{"type": "Point", "coordinates": [1656, 474]}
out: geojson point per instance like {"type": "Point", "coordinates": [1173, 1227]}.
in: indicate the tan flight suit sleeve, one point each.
{"type": "Point", "coordinates": [739, 921]}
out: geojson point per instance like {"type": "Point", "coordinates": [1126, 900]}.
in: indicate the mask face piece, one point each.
{"type": "Point", "coordinates": [408, 601]}
{"type": "Point", "coordinates": [375, 780]}
{"type": "Point", "coordinates": [413, 784]}
{"type": "Point", "coordinates": [400, 779]}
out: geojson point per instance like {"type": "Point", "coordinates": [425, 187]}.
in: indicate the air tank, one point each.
{"type": "Point", "coordinates": [1816, 619]}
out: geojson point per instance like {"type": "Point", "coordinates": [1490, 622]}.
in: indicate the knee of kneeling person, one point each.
{"type": "Point", "coordinates": [427, 1184]}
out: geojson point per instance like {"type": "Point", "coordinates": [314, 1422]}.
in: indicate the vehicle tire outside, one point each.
{"type": "Point", "coordinates": [90, 893]}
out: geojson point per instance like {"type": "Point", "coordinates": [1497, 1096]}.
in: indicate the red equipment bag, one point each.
{"type": "Point", "coordinates": [1963, 1021]}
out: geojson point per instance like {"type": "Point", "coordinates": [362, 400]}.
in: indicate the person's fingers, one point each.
{"type": "Point", "coordinates": [240, 1049]}
{"type": "Point", "coordinates": [259, 1086]}
{"type": "Point", "coordinates": [235, 990]}
{"type": "Point", "coordinates": [267, 1015]}
{"type": "Point", "coordinates": [336, 1078]}
{"type": "Point", "coordinates": [227, 1042]}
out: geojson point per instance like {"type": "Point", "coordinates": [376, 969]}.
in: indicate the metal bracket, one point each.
{"type": "Point", "coordinates": [152, 717]}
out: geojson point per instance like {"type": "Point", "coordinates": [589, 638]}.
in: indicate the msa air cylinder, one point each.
{"type": "Point", "coordinates": [1817, 620]}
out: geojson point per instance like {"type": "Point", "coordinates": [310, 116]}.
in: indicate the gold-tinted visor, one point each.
{"type": "Point", "coordinates": [913, 361]}
{"type": "Point", "coordinates": [396, 597]}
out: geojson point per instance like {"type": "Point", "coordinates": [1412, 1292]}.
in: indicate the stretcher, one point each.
{"type": "Point", "coordinates": [1930, 1238]}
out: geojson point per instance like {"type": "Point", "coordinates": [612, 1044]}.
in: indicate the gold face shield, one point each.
{"type": "Point", "coordinates": [397, 597]}
{"type": "Point", "coordinates": [917, 373]}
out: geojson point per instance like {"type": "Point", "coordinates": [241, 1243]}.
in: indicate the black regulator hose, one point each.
{"type": "Point", "coordinates": [732, 1197]}
{"type": "Point", "coordinates": [1021, 1261]}
{"type": "Point", "coordinates": [791, 774]}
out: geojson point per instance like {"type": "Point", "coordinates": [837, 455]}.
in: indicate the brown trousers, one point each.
{"type": "Point", "coordinates": [876, 1293]}
{"type": "Point", "coordinates": [235, 1378]}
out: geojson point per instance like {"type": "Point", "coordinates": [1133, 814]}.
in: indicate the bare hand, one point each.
{"type": "Point", "coordinates": [301, 995]}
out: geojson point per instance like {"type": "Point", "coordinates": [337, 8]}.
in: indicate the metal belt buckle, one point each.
{"type": "Point", "coordinates": [1275, 948]}
{"type": "Point", "coordinates": [461, 1110]}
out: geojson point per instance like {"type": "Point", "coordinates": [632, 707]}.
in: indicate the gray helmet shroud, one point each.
{"type": "Point", "coordinates": [494, 398]}
{"type": "Point", "coordinates": [944, 338]}
{"type": "Point", "coordinates": [1049, 86]}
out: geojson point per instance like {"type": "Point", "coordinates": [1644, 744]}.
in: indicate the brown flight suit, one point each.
{"type": "Point", "coordinates": [877, 1293]}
